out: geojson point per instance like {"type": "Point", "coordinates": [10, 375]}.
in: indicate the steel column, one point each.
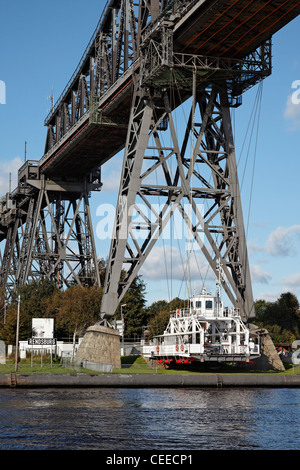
{"type": "Point", "coordinates": [207, 173]}
{"type": "Point", "coordinates": [57, 242]}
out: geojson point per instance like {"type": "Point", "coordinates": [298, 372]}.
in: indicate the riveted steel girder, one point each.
{"type": "Point", "coordinates": [182, 180]}
{"type": "Point", "coordinates": [50, 234]}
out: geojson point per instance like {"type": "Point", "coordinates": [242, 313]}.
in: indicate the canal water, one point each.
{"type": "Point", "coordinates": [150, 419]}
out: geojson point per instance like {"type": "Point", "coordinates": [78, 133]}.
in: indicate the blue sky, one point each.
{"type": "Point", "coordinates": [41, 44]}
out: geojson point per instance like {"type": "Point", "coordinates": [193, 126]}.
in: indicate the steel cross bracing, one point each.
{"type": "Point", "coordinates": [88, 124]}
{"type": "Point", "coordinates": [96, 102]}
{"type": "Point", "coordinates": [216, 84]}
{"type": "Point", "coordinates": [181, 179]}
{"type": "Point", "coordinates": [49, 231]}
{"type": "Point", "coordinates": [144, 60]}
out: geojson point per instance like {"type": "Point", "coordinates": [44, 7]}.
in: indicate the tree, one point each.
{"type": "Point", "coordinates": [158, 323]}
{"type": "Point", "coordinates": [34, 297]}
{"type": "Point", "coordinates": [2, 304]}
{"type": "Point", "coordinates": [160, 313]}
{"type": "Point", "coordinates": [134, 312]}
{"type": "Point", "coordinates": [73, 310]}
{"type": "Point", "coordinates": [156, 307]}
{"type": "Point", "coordinates": [77, 308]}
{"type": "Point", "coordinates": [288, 307]}
{"type": "Point", "coordinates": [260, 307]}
{"type": "Point", "coordinates": [8, 329]}
{"type": "Point", "coordinates": [281, 318]}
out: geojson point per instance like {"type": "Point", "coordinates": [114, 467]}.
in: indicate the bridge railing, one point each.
{"type": "Point", "coordinates": [79, 66]}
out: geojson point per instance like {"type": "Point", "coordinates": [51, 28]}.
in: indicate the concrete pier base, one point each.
{"type": "Point", "coordinates": [269, 358]}
{"type": "Point", "coordinates": [100, 349]}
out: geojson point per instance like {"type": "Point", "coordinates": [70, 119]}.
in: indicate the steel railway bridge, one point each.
{"type": "Point", "coordinates": [145, 59]}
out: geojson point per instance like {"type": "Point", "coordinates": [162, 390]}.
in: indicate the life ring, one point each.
{"type": "Point", "coordinates": [182, 347]}
{"type": "Point", "coordinates": [157, 348]}
{"type": "Point", "coordinates": [177, 347]}
{"type": "Point", "coordinates": [178, 312]}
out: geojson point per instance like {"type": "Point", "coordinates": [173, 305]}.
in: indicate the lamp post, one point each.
{"type": "Point", "coordinates": [17, 335]}
{"type": "Point", "coordinates": [123, 327]}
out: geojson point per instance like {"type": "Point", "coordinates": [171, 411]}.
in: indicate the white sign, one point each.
{"type": "Point", "coordinates": [119, 326]}
{"type": "Point", "coordinates": [42, 341]}
{"type": "Point", "coordinates": [42, 327]}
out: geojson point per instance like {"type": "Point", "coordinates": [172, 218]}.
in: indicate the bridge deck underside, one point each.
{"type": "Point", "coordinates": [223, 28]}
{"type": "Point", "coordinates": [92, 145]}
{"type": "Point", "coordinates": [233, 28]}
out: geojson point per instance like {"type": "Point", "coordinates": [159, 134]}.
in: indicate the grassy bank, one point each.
{"type": "Point", "coordinates": [138, 365]}
{"type": "Point", "coordinates": [36, 366]}
{"type": "Point", "coordinates": [132, 365]}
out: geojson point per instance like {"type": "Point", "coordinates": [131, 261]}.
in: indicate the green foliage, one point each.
{"type": "Point", "coordinates": [159, 313]}
{"type": "Point", "coordinates": [158, 324]}
{"type": "Point", "coordinates": [134, 310]}
{"type": "Point", "coordinates": [78, 307]}
{"type": "Point", "coordinates": [132, 360]}
{"type": "Point", "coordinates": [156, 307]}
{"type": "Point", "coordinates": [73, 310]}
{"type": "Point", "coordinates": [34, 298]}
{"type": "Point", "coordinates": [280, 318]}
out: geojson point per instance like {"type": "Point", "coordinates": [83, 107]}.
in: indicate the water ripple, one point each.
{"type": "Point", "coordinates": [130, 419]}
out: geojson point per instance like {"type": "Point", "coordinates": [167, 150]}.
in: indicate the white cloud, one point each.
{"type": "Point", "coordinates": [254, 247]}
{"type": "Point", "coordinates": [292, 112]}
{"type": "Point", "coordinates": [259, 275]}
{"type": "Point", "coordinates": [281, 241]}
{"type": "Point", "coordinates": [269, 296]}
{"type": "Point", "coordinates": [288, 284]}
{"type": "Point", "coordinates": [7, 167]}
{"type": "Point", "coordinates": [111, 174]}
{"type": "Point", "coordinates": [292, 281]}
{"type": "Point", "coordinates": [168, 261]}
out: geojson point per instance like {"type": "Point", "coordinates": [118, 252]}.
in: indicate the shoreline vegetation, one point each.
{"type": "Point", "coordinates": [134, 365]}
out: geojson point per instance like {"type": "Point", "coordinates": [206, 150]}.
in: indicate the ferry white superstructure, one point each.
{"type": "Point", "coordinates": [205, 331]}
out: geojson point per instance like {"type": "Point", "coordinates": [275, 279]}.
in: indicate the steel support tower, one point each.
{"type": "Point", "coordinates": [145, 60]}
{"type": "Point", "coordinates": [49, 231]}
{"type": "Point", "coordinates": [182, 177]}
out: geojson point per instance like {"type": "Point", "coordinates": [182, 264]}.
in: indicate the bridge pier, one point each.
{"type": "Point", "coordinates": [149, 58]}
{"type": "Point", "coordinates": [182, 179]}
{"type": "Point", "coordinates": [196, 172]}
{"type": "Point", "coordinates": [50, 232]}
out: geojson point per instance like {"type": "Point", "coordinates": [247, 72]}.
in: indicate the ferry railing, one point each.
{"type": "Point", "coordinates": [184, 312]}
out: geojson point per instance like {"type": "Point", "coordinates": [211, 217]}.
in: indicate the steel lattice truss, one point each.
{"type": "Point", "coordinates": [181, 180]}
{"type": "Point", "coordinates": [56, 241]}
{"type": "Point", "coordinates": [111, 51]}
{"type": "Point", "coordinates": [144, 60]}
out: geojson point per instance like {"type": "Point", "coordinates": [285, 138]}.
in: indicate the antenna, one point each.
{"type": "Point", "coordinates": [51, 99]}
{"type": "Point", "coordinates": [25, 150]}
{"type": "Point", "coordinates": [220, 278]}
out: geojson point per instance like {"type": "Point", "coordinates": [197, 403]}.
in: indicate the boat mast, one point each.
{"type": "Point", "coordinates": [219, 285]}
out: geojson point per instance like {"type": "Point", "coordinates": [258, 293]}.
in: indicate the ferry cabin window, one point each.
{"type": "Point", "coordinates": [198, 304]}
{"type": "Point", "coordinates": [208, 304]}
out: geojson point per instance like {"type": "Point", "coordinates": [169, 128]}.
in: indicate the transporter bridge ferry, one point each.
{"type": "Point", "coordinates": [205, 331]}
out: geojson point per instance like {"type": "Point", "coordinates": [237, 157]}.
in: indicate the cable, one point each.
{"type": "Point", "coordinates": [255, 153]}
